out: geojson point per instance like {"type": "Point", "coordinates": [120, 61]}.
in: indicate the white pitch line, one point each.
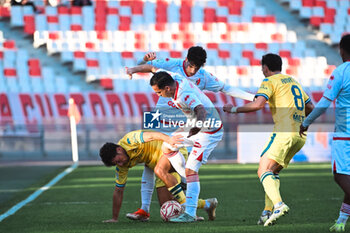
{"type": "Point", "coordinates": [34, 195]}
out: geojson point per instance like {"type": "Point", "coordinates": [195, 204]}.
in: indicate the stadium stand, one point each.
{"type": "Point", "coordinates": [235, 34]}
{"type": "Point", "coordinates": [20, 73]}
{"type": "Point", "coordinates": [102, 39]}
{"type": "Point", "coordinates": [331, 17]}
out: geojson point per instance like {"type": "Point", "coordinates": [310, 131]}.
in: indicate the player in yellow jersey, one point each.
{"type": "Point", "coordinates": [289, 105]}
{"type": "Point", "coordinates": [143, 146]}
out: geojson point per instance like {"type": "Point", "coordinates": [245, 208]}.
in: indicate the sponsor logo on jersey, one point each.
{"type": "Point", "coordinates": [298, 118]}
{"type": "Point", "coordinates": [172, 104]}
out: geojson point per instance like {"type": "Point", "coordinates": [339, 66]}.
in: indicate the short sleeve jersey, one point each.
{"type": "Point", "coordinates": [138, 152]}
{"type": "Point", "coordinates": [203, 79]}
{"type": "Point", "coordinates": [287, 102]}
{"type": "Point", "coordinates": [188, 97]}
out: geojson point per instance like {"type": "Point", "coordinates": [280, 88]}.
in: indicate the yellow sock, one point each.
{"type": "Point", "coordinates": [268, 203]}
{"type": "Point", "coordinates": [201, 204]}
{"type": "Point", "coordinates": [178, 193]}
{"type": "Point", "coordinates": [271, 187]}
{"type": "Point", "coordinates": [277, 177]}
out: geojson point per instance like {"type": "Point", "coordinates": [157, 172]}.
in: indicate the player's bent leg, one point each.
{"type": "Point", "coordinates": [177, 160]}
{"type": "Point", "coordinates": [163, 169]}
{"type": "Point", "coordinates": [270, 182]}
{"type": "Point", "coordinates": [268, 179]}
{"type": "Point", "coordinates": [163, 195]}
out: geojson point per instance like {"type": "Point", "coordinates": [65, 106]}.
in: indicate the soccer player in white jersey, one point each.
{"type": "Point", "coordinates": [204, 130]}
{"type": "Point", "coordinates": [338, 88]}
{"type": "Point", "coordinates": [191, 68]}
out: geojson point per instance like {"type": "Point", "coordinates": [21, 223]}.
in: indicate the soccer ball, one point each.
{"type": "Point", "coordinates": [170, 209]}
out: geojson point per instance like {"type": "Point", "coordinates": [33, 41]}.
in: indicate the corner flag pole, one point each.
{"type": "Point", "coordinates": [74, 118]}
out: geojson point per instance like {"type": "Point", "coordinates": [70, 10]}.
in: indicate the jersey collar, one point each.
{"type": "Point", "coordinates": [177, 89]}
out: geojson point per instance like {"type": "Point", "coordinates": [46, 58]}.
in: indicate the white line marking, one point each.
{"type": "Point", "coordinates": [34, 195]}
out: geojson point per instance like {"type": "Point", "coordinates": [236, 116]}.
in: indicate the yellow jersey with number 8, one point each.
{"type": "Point", "coordinates": [287, 101]}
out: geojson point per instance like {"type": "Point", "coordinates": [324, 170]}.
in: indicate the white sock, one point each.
{"type": "Point", "coordinates": [177, 160]}
{"type": "Point", "coordinates": [192, 194]}
{"type": "Point", "coordinates": [344, 213]}
{"type": "Point", "coordinates": [147, 187]}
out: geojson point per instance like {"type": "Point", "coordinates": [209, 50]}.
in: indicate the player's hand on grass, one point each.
{"type": "Point", "coordinates": [227, 108]}
{"type": "Point", "coordinates": [150, 56]}
{"type": "Point", "coordinates": [193, 131]}
{"type": "Point", "coordinates": [302, 130]}
{"type": "Point", "coordinates": [175, 140]}
{"type": "Point", "coordinates": [110, 220]}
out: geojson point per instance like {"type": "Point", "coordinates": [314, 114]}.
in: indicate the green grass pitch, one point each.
{"type": "Point", "coordinates": [83, 199]}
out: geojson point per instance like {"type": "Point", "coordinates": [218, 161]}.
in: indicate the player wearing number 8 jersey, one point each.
{"type": "Point", "coordinates": [289, 105]}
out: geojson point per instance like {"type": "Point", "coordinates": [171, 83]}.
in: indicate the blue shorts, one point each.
{"type": "Point", "coordinates": [341, 156]}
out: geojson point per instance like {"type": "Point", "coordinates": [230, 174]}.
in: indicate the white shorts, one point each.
{"type": "Point", "coordinates": [341, 156]}
{"type": "Point", "coordinates": [202, 145]}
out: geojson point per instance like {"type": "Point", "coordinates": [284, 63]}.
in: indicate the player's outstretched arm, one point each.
{"type": "Point", "coordinates": [151, 136]}
{"type": "Point", "coordinates": [148, 57]}
{"type": "Point", "coordinates": [237, 93]}
{"type": "Point", "coordinates": [117, 203]}
{"type": "Point", "coordinates": [140, 69]}
{"type": "Point", "coordinates": [256, 105]}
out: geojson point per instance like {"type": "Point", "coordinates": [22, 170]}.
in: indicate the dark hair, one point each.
{"type": "Point", "coordinates": [197, 56]}
{"type": "Point", "coordinates": [162, 79]}
{"type": "Point", "coordinates": [345, 43]}
{"type": "Point", "coordinates": [272, 61]}
{"type": "Point", "coordinates": [107, 153]}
